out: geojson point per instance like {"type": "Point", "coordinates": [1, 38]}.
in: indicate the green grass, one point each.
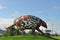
{"type": "Point", "coordinates": [25, 38]}
{"type": "Point", "coordinates": [57, 37]}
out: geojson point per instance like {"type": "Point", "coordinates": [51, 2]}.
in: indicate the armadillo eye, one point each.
{"type": "Point", "coordinates": [27, 23]}
{"type": "Point", "coordinates": [36, 19]}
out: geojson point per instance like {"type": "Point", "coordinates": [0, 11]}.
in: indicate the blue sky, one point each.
{"type": "Point", "coordinates": [45, 9]}
{"type": "Point", "coordinates": [48, 10]}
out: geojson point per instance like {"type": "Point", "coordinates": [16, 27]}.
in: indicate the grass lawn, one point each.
{"type": "Point", "coordinates": [57, 37]}
{"type": "Point", "coordinates": [25, 38]}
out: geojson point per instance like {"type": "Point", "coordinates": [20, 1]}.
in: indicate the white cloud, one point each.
{"type": "Point", "coordinates": [4, 23]}
{"type": "Point", "coordinates": [16, 13]}
{"type": "Point", "coordinates": [56, 7]}
{"type": "Point", "coordinates": [2, 7]}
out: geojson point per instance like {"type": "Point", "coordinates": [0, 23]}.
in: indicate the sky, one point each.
{"type": "Point", "coordinates": [47, 10]}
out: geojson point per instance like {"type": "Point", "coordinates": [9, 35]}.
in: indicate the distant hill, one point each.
{"type": "Point", "coordinates": [1, 31]}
